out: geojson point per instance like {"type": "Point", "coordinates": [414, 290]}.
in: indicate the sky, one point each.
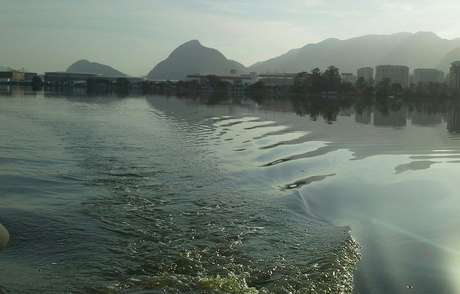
{"type": "Point", "coordinates": [134, 35]}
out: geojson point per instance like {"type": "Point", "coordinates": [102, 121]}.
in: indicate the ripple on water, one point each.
{"type": "Point", "coordinates": [318, 152]}
{"type": "Point", "coordinates": [163, 225]}
{"type": "Point", "coordinates": [219, 244]}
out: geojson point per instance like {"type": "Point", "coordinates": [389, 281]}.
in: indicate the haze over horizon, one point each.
{"type": "Point", "coordinates": [50, 35]}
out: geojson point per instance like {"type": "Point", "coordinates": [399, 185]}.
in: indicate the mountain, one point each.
{"type": "Point", "coordinates": [422, 49]}
{"type": "Point", "coordinates": [193, 58]}
{"type": "Point", "coordinates": [85, 66]}
{"type": "Point", "coordinates": [4, 68]}
{"type": "Point", "coordinates": [446, 61]}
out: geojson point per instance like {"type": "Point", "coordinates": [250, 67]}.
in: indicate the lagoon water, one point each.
{"type": "Point", "coordinates": [154, 194]}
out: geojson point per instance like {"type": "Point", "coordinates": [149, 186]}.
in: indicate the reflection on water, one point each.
{"type": "Point", "coordinates": [386, 118]}
{"type": "Point", "coordinates": [186, 195]}
{"type": "Point", "coordinates": [453, 121]}
{"type": "Point", "coordinates": [415, 165]}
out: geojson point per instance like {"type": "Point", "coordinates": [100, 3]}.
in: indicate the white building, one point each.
{"type": "Point", "coordinates": [428, 75]}
{"type": "Point", "coordinates": [454, 75]}
{"type": "Point", "coordinates": [348, 78]}
{"type": "Point", "coordinates": [396, 74]}
{"type": "Point", "coordinates": [367, 73]}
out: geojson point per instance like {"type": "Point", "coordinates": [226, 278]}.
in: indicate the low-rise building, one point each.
{"type": "Point", "coordinates": [348, 78]}
{"type": "Point", "coordinates": [278, 80]}
{"type": "Point", "coordinates": [16, 76]}
{"type": "Point", "coordinates": [427, 75]}
{"type": "Point", "coordinates": [245, 79]}
{"type": "Point", "coordinates": [396, 74]}
{"type": "Point", "coordinates": [5, 76]}
{"type": "Point", "coordinates": [367, 74]}
{"type": "Point", "coordinates": [65, 79]}
{"type": "Point", "coordinates": [454, 75]}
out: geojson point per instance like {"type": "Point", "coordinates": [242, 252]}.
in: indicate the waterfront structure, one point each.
{"type": "Point", "coordinates": [303, 78]}
{"type": "Point", "coordinates": [252, 78]}
{"type": "Point", "coordinates": [396, 74]}
{"type": "Point", "coordinates": [72, 79]}
{"type": "Point", "coordinates": [348, 78]}
{"type": "Point", "coordinates": [232, 79]}
{"type": "Point", "coordinates": [454, 75]}
{"type": "Point", "coordinates": [54, 77]}
{"type": "Point", "coordinates": [367, 74]}
{"type": "Point", "coordinates": [67, 80]}
{"type": "Point", "coordinates": [16, 76]}
{"type": "Point", "coordinates": [93, 82]}
{"type": "Point", "coordinates": [427, 75]}
{"type": "Point", "coordinates": [278, 79]}
{"type": "Point", "coordinates": [5, 76]}
{"type": "Point", "coordinates": [271, 80]}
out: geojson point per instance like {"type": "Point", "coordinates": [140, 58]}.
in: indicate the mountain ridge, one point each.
{"type": "Point", "coordinates": [420, 49]}
{"type": "Point", "coordinates": [85, 66]}
{"type": "Point", "coordinates": [416, 50]}
{"type": "Point", "coordinates": [193, 58]}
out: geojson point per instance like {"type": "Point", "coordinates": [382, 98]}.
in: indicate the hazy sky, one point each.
{"type": "Point", "coordinates": [133, 35]}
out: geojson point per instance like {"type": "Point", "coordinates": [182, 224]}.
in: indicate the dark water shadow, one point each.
{"type": "Point", "coordinates": [306, 181]}
{"type": "Point", "coordinates": [413, 166]}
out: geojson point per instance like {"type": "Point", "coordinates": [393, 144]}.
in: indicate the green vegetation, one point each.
{"type": "Point", "coordinates": [305, 85]}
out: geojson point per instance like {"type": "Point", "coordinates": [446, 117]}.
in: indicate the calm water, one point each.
{"type": "Point", "coordinates": [154, 194]}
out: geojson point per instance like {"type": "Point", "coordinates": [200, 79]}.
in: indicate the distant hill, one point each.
{"type": "Point", "coordinates": [446, 61]}
{"type": "Point", "coordinates": [85, 66]}
{"type": "Point", "coordinates": [4, 68]}
{"type": "Point", "coordinates": [422, 49]}
{"type": "Point", "coordinates": [193, 58]}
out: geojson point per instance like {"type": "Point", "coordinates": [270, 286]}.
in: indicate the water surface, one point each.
{"type": "Point", "coordinates": [149, 193]}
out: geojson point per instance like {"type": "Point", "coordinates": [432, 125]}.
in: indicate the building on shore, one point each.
{"type": "Point", "coordinates": [91, 82]}
{"type": "Point", "coordinates": [278, 79]}
{"type": "Point", "coordinates": [454, 75]}
{"type": "Point", "coordinates": [427, 75]}
{"type": "Point", "coordinates": [367, 74]}
{"type": "Point", "coordinates": [5, 76]}
{"type": "Point", "coordinates": [16, 76]}
{"type": "Point", "coordinates": [396, 74]}
{"type": "Point", "coordinates": [67, 80]}
{"type": "Point", "coordinates": [244, 79]}
{"type": "Point", "coordinates": [348, 78]}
